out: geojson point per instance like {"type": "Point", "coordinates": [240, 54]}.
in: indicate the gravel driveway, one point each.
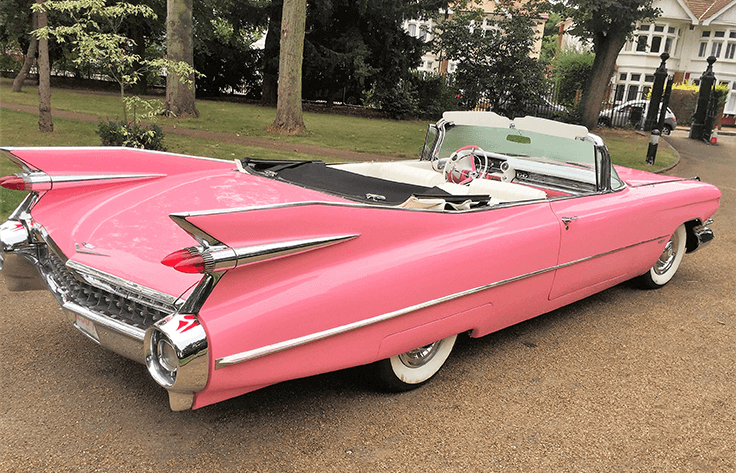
{"type": "Point", "coordinates": [626, 380]}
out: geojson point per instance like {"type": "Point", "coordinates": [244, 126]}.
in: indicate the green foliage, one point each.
{"type": "Point", "coordinates": [571, 71]}
{"type": "Point", "coordinates": [132, 135]}
{"type": "Point", "coordinates": [224, 31]}
{"type": "Point", "coordinates": [398, 102]}
{"type": "Point", "coordinates": [494, 64]}
{"type": "Point", "coordinates": [436, 94]}
{"type": "Point", "coordinates": [97, 39]}
{"type": "Point", "coordinates": [721, 91]}
{"type": "Point", "coordinates": [9, 64]}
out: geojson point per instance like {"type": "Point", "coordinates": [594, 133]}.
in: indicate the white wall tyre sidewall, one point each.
{"type": "Point", "coordinates": [417, 375]}
{"type": "Point", "coordinates": [679, 238]}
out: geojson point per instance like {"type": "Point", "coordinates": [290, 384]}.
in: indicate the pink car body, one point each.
{"type": "Point", "coordinates": [269, 276]}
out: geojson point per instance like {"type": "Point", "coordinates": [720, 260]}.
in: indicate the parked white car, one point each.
{"type": "Point", "coordinates": [633, 113]}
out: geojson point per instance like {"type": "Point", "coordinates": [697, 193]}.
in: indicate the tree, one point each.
{"type": "Point", "coordinates": [45, 122]}
{"type": "Point", "coordinates": [16, 23]}
{"type": "Point", "coordinates": [608, 23]}
{"type": "Point", "coordinates": [494, 63]}
{"type": "Point", "coordinates": [180, 92]}
{"type": "Point", "coordinates": [289, 108]}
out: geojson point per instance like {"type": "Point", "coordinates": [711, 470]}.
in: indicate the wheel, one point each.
{"type": "Point", "coordinates": [666, 130]}
{"type": "Point", "coordinates": [604, 122]}
{"type": "Point", "coordinates": [666, 265]}
{"type": "Point", "coordinates": [460, 172]}
{"type": "Point", "coordinates": [413, 368]}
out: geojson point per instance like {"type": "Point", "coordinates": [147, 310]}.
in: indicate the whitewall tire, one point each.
{"type": "Point", "coordinates": [413, 368]}
{"type": "Point", "coordinates": [666, 265]}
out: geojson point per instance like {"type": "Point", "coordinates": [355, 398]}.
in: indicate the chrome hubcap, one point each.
{"type": "Point", "coordinates": [666, 259]}
{"type": "Point", "coordinates": [419, 356]}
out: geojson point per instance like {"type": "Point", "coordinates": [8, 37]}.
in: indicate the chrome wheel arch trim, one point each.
{"type": "Point", "coordinates": [314, 337]}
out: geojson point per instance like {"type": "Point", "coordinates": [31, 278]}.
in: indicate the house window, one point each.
{"type": "Point", "coordinates": [703, 48]}
{"type": "Point", "coordinates": [635, 77]}
{"type": "Point", "coordinates": [730, 51]}
{"type": "Point", "coordinates": [633, 92]}
{"type": "Point", "coordinates": [649, 78]}
{"type": "Point", "coordinates": [715, 49]}
{"type": "Point", "coordinates": [656, 44]}
{"type": "Point", "coordinates": [413, 30]}
{"type": "Point", "coordinates": [705, 34]}
{"type": "Point", "coordinates": [654, 39]}
{"type": "Point", "coordinates": [641, 43]}
{"type": "Point", "coordinates": [620, 89]}
{"type": "Point", "coordinates": [623, 77]}
{"type": "Point", "coordinates": [720, 34]}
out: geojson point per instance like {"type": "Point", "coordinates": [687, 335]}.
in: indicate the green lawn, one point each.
{"type": "Point", "coordinates": [388, 137]}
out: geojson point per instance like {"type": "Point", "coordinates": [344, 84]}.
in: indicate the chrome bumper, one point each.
{"type": "Point", "coordinates": [703, 235]}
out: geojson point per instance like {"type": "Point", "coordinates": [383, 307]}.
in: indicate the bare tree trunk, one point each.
{"type": "Point", "coordinates": [606, 52]}
{"type": "Point", "coordinates": [45, 123]}
{"type": "Point", "coordinates": [270, 59]}
{"type": "Point", "coordinates": [289, 109]}
{"type": "Point", "coordinates": [28, 60]}
{"type": "Point", "coordinates": [180, 97]}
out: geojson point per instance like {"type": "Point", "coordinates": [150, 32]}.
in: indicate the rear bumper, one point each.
{"type": "Point", "coordinates": [108, 310]}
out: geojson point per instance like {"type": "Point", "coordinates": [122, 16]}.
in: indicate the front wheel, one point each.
{"type": "Point", "coordinates": [666, 130]}
{"type": "Point", "coordinates": [666, 265]}
{"type": "Point", "coordinates": [413, 368]}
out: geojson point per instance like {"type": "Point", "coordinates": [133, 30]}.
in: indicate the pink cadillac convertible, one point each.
{"type": "Point", "coordinates": [225, 277]}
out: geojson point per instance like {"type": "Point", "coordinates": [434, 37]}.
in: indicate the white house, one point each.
{"type": "Point", "coordinates": [689, 31]}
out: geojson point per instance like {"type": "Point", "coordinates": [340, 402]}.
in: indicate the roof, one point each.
{"type": "Point", "coordinates": [707, 9]}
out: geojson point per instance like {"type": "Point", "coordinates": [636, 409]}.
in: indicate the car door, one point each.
{"type": "Point", "coordinates": [597, 242]}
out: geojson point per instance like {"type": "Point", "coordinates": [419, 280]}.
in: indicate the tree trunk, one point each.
{"type": "Point", "coordinates": [606, 52]}
{"type": "Point", "coordinates": [180, 98]}
{"type": "Point", "coordinates": [28, 60]}
{"type": "Point", "coordinates": [271, 58]}
{"type": "Point", "coordinates": [45, 123]}
{"type": "Point", "coordinates": [289, 109]}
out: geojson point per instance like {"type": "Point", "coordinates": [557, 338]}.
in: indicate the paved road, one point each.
{"type": "Point", "coordinates": [626, 380]}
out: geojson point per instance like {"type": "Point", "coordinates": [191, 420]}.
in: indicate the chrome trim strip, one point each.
{"type": "Point", "coordinates": [231, 258]}
{"type": "Point", "coordinates": [119, 286]}
{"type": "Point", "coordinates": [112, 324]}
{"type": "Point", "coordinates": [15, 159]}
{"type": "Point", "coordinates": [181, 216]}
{"type": "Point", "coordinates": [295, 342]}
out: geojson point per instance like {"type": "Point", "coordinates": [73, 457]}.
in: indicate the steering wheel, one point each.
{"type": "Point", "coordinates": [460, 168]}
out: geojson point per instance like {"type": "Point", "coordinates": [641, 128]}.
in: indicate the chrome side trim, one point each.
{"type": "Point", "coordinates": [295, 342]}
{"type": "Point", "coordinates": [125, 288]}
{"type": "Point", "coordinates": [180, 217]}
{"type": "Point", "coordinates": [8, 150]}
{"type": "Point", "coordinates": [41, 181]}
{"type": "Point", "coordinates": [232, 258]}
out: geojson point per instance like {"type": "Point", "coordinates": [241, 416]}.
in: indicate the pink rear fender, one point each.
{"type": "Point", "coordinates": [400, 264]}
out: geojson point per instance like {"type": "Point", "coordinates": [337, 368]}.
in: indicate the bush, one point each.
{"type": "Point", "coordinates": [9, 64]}
{"type": "Point", "coordinates": [571, 71]}
{"type": "Point", "coordinates": [132, 135]}
{"type": "Point", "coordinates": [436, 93]}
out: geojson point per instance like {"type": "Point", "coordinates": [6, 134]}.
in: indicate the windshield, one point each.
{"type": "Point", "coordinates": [582, 155]}
{"type": "Point", "coordinates": [513, 142]}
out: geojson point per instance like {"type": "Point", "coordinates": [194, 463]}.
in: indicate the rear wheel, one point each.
{"type": "Point", "coordinates": [413, 368]}
{"type": "Point", "coordinates": [666, 130]}
{"type": "Point", "coordinates": [666, 265]}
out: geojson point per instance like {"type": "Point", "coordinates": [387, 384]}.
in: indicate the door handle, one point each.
{"type": "Point", "coordinates": [567, 220]}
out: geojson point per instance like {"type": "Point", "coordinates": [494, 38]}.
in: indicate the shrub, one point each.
{"type": "Point", "coordinates": [436, 94]}
{"type": "Point", "coordinates": [132, 135]}
{"type": "Point", "coordinates": [9, 64]}
{"type": "Point", "coordinates": [571, 71]}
